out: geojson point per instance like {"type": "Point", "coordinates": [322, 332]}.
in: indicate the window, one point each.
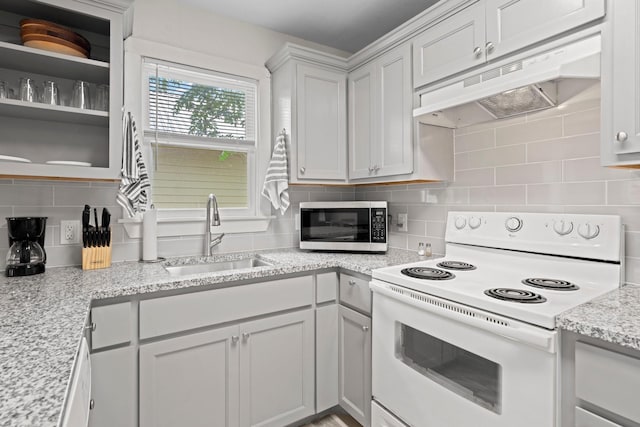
{"type": "Point", "coordinates": [201, 126]}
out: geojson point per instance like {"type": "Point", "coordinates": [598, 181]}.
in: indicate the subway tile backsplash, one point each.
{"type": "Point", "coordinates": [542, 162]}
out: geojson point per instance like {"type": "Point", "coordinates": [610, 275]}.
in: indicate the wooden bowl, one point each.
{"type": "Point", "coordinates": [52, 37]}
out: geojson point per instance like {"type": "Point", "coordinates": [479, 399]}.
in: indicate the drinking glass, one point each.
{"type": "Point", "coordinates": [28, 90]}
{"type": "Point", "coordinates": [101, 98]}
{"type": "Point", "coordinates": [50, 93]}
{"type": "Point", "coordinates": [80, 96]}
{"type": "Point", "coordinates": [4, 90]}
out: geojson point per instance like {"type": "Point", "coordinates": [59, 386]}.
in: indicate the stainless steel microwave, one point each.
{"type": "Point", "coordinates": [344, 226]}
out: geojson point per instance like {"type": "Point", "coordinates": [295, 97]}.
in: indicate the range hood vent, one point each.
{"type": "Point", "coordinates": [534, 82]}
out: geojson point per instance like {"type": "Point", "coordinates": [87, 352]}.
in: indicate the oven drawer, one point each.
{"type": "Point", "coordinates": [381, 418]}
{"type": "Point", "coordinates": [608, 379]}
{"type": "Point", "coordinates": [355, 292]}
{"type": "Point", "coordinates": [585, 418]}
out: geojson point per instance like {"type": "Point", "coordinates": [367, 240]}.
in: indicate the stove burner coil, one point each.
{"type": "Point", "coordinates": [552, 284]}
{"type": "Point", "coordinates": [515, 295]}
{"type": "Point", "coordinates": [456, 265]}
{"type": "Point", "coordinates": [427, 273]}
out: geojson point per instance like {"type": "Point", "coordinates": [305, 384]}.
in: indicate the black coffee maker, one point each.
{"type": "Point", "coordinates": [26, 240]}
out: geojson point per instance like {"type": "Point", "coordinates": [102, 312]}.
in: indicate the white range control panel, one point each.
{"type": "Point", "coordinates": [575, 235]}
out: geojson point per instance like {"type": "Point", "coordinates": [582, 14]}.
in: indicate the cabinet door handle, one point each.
{"type": "Point", "coordinates": [92, 404]}
{"type": "Point", "coordinates": [302, 169]}
{"type": "Point", "coordinates": [370, 169]}
{"type": "Point", "coordinates": [365, 328]}
{"type": "Point", "coordinates": [477, 51]}
{"type": "Point", "coordinates": [622, 136]}
{"type": "Point", "coordinates": [352, 282]}
{"type": "Point", "coordinates": [91, 327]}
{"type": "Point", "coordinates": [235, 338]}
{"type": "Point", "coordinates": [376, 168]}
{"type": "Point", "coordinates": [245, 336]}
{"type": "Point", "coordinates": [489, 47]}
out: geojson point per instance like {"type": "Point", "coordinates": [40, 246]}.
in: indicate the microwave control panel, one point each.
{"type": "Point", "coordinates": [378, 225]}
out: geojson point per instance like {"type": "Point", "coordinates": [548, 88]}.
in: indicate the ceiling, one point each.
{"type": "Point", "coordinates": [348, 25]}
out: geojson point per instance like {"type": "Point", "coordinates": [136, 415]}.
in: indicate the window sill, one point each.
{"type": "Point", "coordinates": [195, 226]}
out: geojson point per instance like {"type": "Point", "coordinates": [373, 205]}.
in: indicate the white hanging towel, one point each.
{"type": "Point", "coordinates": [276, 183]}
{"type": "Point", "coordinates": [134, 186]}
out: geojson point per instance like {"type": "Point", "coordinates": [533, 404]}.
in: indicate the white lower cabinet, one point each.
{"type": "Point", "coordinates": [258, 373]}
{"type": "Point", "coordinates": [113, 388]}
{"type": "Point", "coordinates": [355, 364]}
{"type": "Point", "coordinates": [327, 346]}
{"type": "Point", "coordinates": [190, 380]}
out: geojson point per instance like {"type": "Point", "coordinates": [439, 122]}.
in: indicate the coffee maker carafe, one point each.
{"type": "Point", "coordinates": [26, 240]}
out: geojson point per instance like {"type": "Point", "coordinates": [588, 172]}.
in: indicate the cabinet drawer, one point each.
{"type": "Point", "coordinates": [112, 325]}
{"type": "Point", "coordinates": [188, 311]}
{"type": "Point", "coordinates": [326, 287]}
{"type": "Point", "coordinates": [608, 379]}
{"type": "Point", "coordinates": [585, 418]}
{"type": "Point", "coordinates": [355, 292]}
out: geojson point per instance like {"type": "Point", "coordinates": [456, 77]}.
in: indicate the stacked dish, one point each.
{"type": "Point", "coordinates": [52, 37]}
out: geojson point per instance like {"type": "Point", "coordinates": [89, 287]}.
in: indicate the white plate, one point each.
{"type": "Point", "coordinates": [13, 159]}
{"type": "Point", "coordinates": [67, 163]}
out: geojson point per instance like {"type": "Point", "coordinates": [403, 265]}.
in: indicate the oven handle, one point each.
{"type": "Point", "coordinates": [521, 333]}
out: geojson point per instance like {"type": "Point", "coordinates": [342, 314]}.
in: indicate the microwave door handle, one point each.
{"type": "Point", "coordinates": [542, 340]}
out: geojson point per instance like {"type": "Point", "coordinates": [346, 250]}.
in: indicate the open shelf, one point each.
{"type": "Point", "coordinates": [30, 60]}
{"type": "Point", "coordinates": [55, 113]}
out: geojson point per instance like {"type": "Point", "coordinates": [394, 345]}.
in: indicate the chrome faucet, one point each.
{"type": "Point", "coordinates": [212, 221]}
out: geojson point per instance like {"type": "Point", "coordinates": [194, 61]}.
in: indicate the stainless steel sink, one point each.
{"type": "Point", "coordinates": [212, 267]}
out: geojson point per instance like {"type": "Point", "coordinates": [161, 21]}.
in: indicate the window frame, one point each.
{"type": "Point", "coordinates": [183, 221]}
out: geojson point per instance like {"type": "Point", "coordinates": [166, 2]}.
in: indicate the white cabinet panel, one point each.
{"type": "Point", "coordinates": [620, 118]}
{"type": "Point", "coordinates": [113, 388]}
{"type": "Point", "coordinates": [380, 116]}
{"type": "Point", "coordinates": [450, 46]}
{"type": "Point", "coordinates": [326, 357]}
{"type": "Point", "coordinates": [111, 325]}
{"type": "Point", "coordinates": [321, 123]}
{"type": "Point", "coordinates": [395, 150]}
{"type": "Point", "coordinates": [587, 419]}
{"type": "Point", "coordinates": [355, 364]}
{"type": "Point", "coordinates": [355, 292]}
{"type": "Point", "coordinates": [608, 379]}
{"type": "Point", "coordinates": [190, 380]}
{"type": "Point", "coordinates": [326, 287]}
{"type": "Point", "coordinates": [512, 25]}
{"type": "Point", "coordinates": [178, 313]}
{"type": "Point", "coordinates": [362, 120]}
{"type": "Point", "coordinates": [277, 370]}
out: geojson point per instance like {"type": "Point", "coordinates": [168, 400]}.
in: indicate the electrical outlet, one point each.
{"type": "Point", "coordinates": [403, 218]}
{"type": "Point", "coordinates": [70, 232]}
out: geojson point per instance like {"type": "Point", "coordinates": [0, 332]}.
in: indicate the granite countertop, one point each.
{"type": "Point", "coordinates": [42, 317]}
{"type": "Point", "coordinates": [613, 317]}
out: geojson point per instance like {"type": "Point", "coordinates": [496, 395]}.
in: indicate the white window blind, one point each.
{"type": "Point", "coordinates": [202, 125]}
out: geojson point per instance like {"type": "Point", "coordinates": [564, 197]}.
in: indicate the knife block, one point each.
{"type": "Point", "coordinates": [96, 257]}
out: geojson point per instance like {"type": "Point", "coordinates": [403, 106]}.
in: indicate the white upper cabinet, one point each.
{"type": "Point", "coordinates": [321, 123]}
{"type": "Point", "coordinates": [489, 29]}
{"type": "Point", "coordinates": [453, 45]}
{"type": "Point", "coordinates": [309, 93]}
{"type": "Point", "coordinates": [380, 104]}
{"type": "Point", "coordinates": [40, 133]}
{"type": "Point", "coordinates": [620, 118]}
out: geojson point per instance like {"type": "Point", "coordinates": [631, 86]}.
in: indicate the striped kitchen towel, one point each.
{"type": "Point", "coordinates": [133, 193]}
{"type": "Point", "coordinates": [276, 183]}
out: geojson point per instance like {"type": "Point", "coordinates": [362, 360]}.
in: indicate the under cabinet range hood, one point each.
{"type": "Point", "coordinates": [532, 81]}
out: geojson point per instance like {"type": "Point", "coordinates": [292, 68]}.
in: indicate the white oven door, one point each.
{"type": "Point", "coordinates": [437, 363]}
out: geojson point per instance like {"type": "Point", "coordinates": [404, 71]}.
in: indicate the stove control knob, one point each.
{"type": "Point", "coordinates": [563, 227]}
{"type": "Point", "coordinates": [460, 222]}
{"type": "Point", "coordinates": [513, 224]}
{"type": "Point", "coordinates": [474, 222]}
{"type": "Point", "coordinates": [588, 230]}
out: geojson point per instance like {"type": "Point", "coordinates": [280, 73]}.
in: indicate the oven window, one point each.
{"type": "Point", "coordinates": [466, 374]}
{"type": "Point", "coordinates": [335, 225]}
